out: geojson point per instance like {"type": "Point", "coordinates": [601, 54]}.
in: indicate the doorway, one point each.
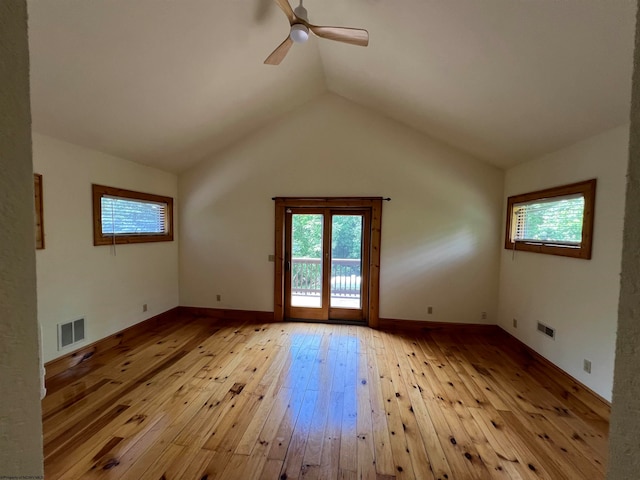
{"type": "Point", "coordinates": [326, 266]}
{"type": "Point", "coordinates": [327, 259]}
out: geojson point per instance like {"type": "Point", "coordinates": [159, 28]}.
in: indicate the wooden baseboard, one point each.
{"type": "Point", "coordinates": [226, 314]}
{"type": "Point", "coordinates": [576, 388]}
{"type": "Point", "coordinates": [391, 324]}
{"type": "Point", "coordinates": [71, 359]}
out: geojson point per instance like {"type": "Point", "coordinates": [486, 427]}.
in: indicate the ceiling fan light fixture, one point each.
{"type": "Point", "coordinates": [299, 33]}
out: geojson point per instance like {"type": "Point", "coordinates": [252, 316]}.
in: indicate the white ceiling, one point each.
{"type": "Point", "coordinates": [167, 82]}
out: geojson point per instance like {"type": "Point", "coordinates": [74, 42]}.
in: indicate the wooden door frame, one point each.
{"type": "Point", "coordinates": [372, 313]}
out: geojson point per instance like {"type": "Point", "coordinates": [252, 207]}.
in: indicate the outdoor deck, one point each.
{"type": "Point", "coordinates": [306, 282]}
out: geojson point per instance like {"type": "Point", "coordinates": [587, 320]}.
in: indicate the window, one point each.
{"type": "Point", "coordinates": [556, 221]}
{"type": "Point", "coordinates": [124, 216]}
{"type": "Point", "coordinates": [39, 219]}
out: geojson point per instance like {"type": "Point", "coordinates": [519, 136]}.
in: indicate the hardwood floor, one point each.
{"type": "Point", "coordinates": [234, 400]}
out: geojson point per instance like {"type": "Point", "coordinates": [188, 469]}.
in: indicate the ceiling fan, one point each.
{"type": "Point", "coordinates": [300, 28]}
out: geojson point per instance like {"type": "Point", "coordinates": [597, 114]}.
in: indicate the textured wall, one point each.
{"type": "Point", "coordinates": [20, 424]}
{"type": "Point", "coordinates": [624, 448]}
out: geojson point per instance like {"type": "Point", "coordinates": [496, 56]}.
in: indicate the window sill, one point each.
{"type": "Point", "coordinates": [550, 249]}
{"type": "Point", "coordinates": [126, 239]}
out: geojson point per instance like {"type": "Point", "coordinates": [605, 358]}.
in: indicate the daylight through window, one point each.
{"type": "Point", "coordinates": [125, 216]}
{"type": "Point", "coordinates": [558, 221]}
{"type": "Point", "coordinates": [122, 216]}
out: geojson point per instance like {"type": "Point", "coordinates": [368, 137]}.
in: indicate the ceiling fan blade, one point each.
{"type": "Point", "coordinates": [354, 36]}
{"type": "Point", "coordinates": [279, 53]}
{"type": "Point", "coordinates": [288, 11]}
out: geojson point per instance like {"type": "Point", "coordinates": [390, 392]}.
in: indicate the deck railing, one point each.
{"type": "Point", "coordinates": [306, 277]}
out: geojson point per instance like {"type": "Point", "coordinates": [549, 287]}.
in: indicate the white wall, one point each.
{"type": "Point", "coordinates": [20, 414]}
{"type": "Point", "coordinates": [440, 232]}
{"type": "Point", "coordinates": [76, 279]}
{"type": "Point", "coordinates": [578, 298]}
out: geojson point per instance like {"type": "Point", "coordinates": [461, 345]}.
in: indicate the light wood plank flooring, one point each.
{"type": "Point", "coordinates": [201, 399]}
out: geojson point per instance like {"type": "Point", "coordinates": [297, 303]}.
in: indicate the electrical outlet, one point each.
{"type": "Point", "coordinates": [144, 307]}
{"type": "Point", "coordinates": [429, 309]}
{"type": "Point", "coordinates": [218, 298]}
{"type": "Point", "coordinates": [483, 315]}
{"type": "Point", "coordinates": [515, 323]}
{"type": "Point", "coordinates": [586, 365]}
{"type": "Point", "coordinates": [272, 258]}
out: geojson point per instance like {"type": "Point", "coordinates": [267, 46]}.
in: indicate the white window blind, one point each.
{"type": "Point", "coordinates": [124, 216]}
{"type": "Point", "coordinates": [554, 221]}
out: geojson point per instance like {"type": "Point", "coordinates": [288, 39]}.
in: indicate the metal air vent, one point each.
{"type": "Point", "coordinates": [548, 331]}
{"type": "Point", "coordinates": [70, 333]}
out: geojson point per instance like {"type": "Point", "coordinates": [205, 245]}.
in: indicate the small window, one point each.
{"type": "Point", "coordinates": [556, 221]}
{"type": "Point", "coordinates": [125, 216]}
{"type": "Point", "coordinates": [39, 219]}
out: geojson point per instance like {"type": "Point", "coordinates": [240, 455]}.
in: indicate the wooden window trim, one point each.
{"type": "Point", "coordinates": [39, 205]}
{"type": "Point", "coordinates": [587, 189]}
{"type": "Point", "coordinates": [98, 191]}
{"type": "Point", "coordinates": [373, 203]}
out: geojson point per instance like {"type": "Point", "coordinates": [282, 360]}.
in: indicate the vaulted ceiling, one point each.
{"type": "Point", "coordinates": [168, 82]}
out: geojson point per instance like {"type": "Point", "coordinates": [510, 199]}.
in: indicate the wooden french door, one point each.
{"type": "Point", "coordinates": [327, 259]}
{"type": "Point", "coordinates": [326, 264]}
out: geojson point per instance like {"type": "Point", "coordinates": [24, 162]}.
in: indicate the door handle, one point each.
{"type": "Point", "coordinates": [287, 265]}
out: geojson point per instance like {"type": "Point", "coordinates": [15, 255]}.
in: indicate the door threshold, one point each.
{"type": "Point", "coordinates": [361, 323]}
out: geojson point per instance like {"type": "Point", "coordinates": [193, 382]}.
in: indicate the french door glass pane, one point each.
{"type": "Point", "coordinates": [346, 261]}
{"type": "Point", "coordinates": [306, 260]}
